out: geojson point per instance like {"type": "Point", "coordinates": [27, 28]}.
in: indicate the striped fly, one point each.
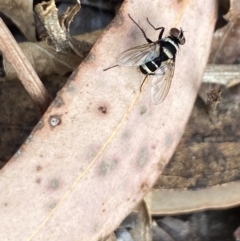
{"type": "Point", "coordinates": [156, 59]}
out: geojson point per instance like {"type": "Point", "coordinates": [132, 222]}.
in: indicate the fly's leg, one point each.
{"type": "Point", "coordinates": [143, 32]}
{"type": "Point", "coordinates": [160, 28]}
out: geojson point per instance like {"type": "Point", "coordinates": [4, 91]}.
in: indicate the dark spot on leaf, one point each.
{"type": "Point", "coordinates": [54, 120]}
{"type": "Point", "coordinates": [142, 157]}
{"type": "Point", "coordinates": [126, 135]}
{"type": "Point", "coordinates": [143, 110]}
{"type": "Point", "coordinates": [168, 140]}
{"type": "Point", "coordinates": [38, 168]}
{"type": "Point", "coordinates": [52, 205]}
{"type": "Point", "coordinates": [54, 184]}
{"type": "Point", "coordinates": [58, 102]}
{"type": "Point", "coordinates": [103, 109]}
{"type": "Point", "coordinates": [38, 180]}
{"type": "Point", "coordinates": [107, 166]}
{"type": "Point", "coordinates": [144, 187]}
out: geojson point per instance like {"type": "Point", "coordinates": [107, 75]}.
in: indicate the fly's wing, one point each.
{"type": "Point", "coordinates": [161, 81]}
{"type": "Point", "coordinates": [139, 55]}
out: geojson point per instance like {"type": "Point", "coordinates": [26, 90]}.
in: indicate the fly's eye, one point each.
{"type": "Point", "coordinates": [178, 34]}
{"type": "Point", "coordinates": [182, 40]}
{"type": "Point", "coordinates": [175, 32]}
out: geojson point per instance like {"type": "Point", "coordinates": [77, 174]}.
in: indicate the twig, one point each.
{"type": "Point", "coordinates": [23, 68]}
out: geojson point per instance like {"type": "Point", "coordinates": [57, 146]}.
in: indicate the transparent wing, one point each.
{"type": "Point", "coordinates": [161, 84]}
{"type": "Point", "coordinates": [139, 55]}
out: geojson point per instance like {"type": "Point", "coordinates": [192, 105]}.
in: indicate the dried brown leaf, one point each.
{"type": "Point", "coordinates": [58, 28]}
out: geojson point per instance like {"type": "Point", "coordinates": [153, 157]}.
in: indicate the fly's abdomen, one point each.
{"type": "Point", "coordinates": [150, 67]}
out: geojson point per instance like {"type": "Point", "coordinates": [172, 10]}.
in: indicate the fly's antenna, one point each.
{"type": "Point", "coordinates": [110, 67]}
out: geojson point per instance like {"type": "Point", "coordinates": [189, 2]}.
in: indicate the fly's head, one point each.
{"type": "Point", "coordinates": [178, 35]}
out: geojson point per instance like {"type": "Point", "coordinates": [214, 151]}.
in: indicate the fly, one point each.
{"type": "Point", "coordinates": [156, 59]}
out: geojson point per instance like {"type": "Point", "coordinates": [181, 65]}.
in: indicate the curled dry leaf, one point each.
{"type": "Point", "coordinates": [21, 13]}
{"type": "Point", "coordinates": [95, 155]}
{"type": "Point", "coordinates": [58, 28]}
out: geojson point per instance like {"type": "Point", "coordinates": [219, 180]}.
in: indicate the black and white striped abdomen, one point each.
{"type": "Point", "coordinates": [151, 66]}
